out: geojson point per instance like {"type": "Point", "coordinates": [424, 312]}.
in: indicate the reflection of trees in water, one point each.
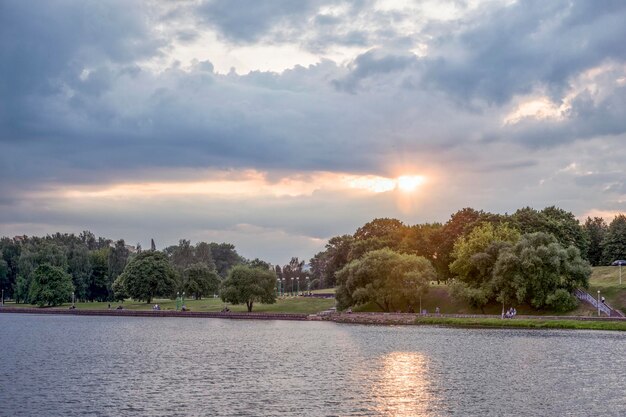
{"type": "Point", "coordinates": [404, 386]}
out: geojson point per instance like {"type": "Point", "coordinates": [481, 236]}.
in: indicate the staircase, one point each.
{"type": "Point", "coordinates": [604, 308]}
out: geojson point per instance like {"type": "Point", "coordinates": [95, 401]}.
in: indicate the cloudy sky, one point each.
{"type": "Point", "coordinates": [277, 124]}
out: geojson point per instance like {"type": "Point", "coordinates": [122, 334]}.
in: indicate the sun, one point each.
{"type": "Point", "coordinates": [409, 183]}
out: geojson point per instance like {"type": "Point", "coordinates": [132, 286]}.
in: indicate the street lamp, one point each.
{"type": "Point", "coordinates": [292, 278]}
{"type": "Point", "coordinates": [177, 300]}
{"type": "Point", "coordinates": [277, 287]}
{"type": "Point", "coordinates": [298, 293]}
{"type": "Point", "coordinates": [73, 300]}
{"type": "Point", "coordinates": [598, 303]}
{"type": "Point", "coordinates": [283, 285]}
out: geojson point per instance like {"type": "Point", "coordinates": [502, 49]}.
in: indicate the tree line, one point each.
{"type": "Point", "coordinates": [531, 256]}
{"type": "Point", "coordinates": [43, 270]}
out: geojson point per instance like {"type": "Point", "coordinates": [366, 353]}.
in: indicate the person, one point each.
{"type": "Point", "coordinates": [109, 306]}
{"type": "Point", "coordinates": [603, 300]}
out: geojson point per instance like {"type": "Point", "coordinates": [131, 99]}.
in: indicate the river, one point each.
{"type": "Point", "coordinates": [125, 366]}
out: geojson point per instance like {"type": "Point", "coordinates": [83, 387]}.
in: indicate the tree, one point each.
{"type": "Point", "coordinates": [249, 285]}
{"type": "Point", "coordinates": [118, 258]}
{"type": "Point", "coordinates": [461, 223]}
{"type": "Point", "coordinates": [386, 278]}
{"type": "Point", "coordinates": [614, 242]}
{"type": "Point", "coordinates": [148, 275]}
{"type": "Point", "coordinates": [200, 281]}
{"type": "Point", "coordinates": [225, 257]}
{"type": "Point", "coordinates": [536, 267]}
{"type": "Point", "coordinates": [50, 285]}
{"type": "Point", "coordinates": [555, 221]}
{"type": "Point", "coordinates": [79, 267]}
{"type": "Point", "coordinates": [475, 256]}
{"type": "Point", "coordinates": [596, 229]}
{"type": "Point", "coordinates": [97, 285]}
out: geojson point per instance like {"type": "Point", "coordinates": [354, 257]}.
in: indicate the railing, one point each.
{"type": "Point", "coordinates": [602, 307]}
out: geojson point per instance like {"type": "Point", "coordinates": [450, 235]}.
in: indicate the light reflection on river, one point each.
{"type": "Point", "coordinates": [114, 366]}
{"type": "Point", "coordinates": [403, 388]}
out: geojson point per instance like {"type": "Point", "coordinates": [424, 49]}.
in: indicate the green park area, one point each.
{"type": "Point", "coordinates": [605, 279]}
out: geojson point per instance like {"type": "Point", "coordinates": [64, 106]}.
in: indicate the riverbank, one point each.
{"type": "Point", "coordinates": [482, 321]}
{"type": "Point", "coordinates": [157, 313]}
{"type": "Point", "coordinates": [464, 321]}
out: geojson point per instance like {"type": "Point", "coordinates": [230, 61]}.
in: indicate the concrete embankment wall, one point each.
{"type": "Point", "coordinates": [156, 313]}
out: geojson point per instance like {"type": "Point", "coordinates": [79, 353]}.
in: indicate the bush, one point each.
{"type": "Point", "coordinates": [562, 301]}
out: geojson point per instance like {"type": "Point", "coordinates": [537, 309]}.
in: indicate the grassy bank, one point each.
{"type": "Point", "coordinates": [303, 305]}
{"type": "Point", "coordinates": [523, 323]}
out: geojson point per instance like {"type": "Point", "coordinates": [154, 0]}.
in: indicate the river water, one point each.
{"type": "Point", "coordinates": [117, 366]}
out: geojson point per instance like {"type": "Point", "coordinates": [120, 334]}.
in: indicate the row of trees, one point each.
{"type": "Point", "coordinates": [150, 274]}
{"type": "Point", "coordinates": [93, 266]}
{"type": "Point", "coordinates": [530, 256]}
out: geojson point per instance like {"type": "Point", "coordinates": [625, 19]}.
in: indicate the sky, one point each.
{"type": "Point", "coordinates": [275, 125]}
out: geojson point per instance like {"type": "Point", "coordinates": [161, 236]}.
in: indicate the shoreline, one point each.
{"type": "Point", "coordinates": [388, 319]}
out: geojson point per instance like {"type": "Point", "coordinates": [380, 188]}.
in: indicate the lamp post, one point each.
{"type": "Point", "coordinates": [277, 287]}
{"type": "Point", "coordinates": [182, 301]}
{"type": "Point", "coordinates": [620, 273]}
{"type": "Point", "coordinates": [282, 282]}
{"type": "Point", "coordinates": [598, 303]}
{"type": "Point", "coordinates": [308, 285]}
{"type": "Point", "coordinates": [3, 297]}
{"type": "Point", "coordinates": [298, 292]}
{"type": "Point", "coordinates": [292, 278]}
{"type": "Point", "coordinates": [177, 300]}
{"type": "Point", "coordinates": [73, 300]}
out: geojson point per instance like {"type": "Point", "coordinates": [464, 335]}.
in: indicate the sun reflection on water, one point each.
{"type": "Point", "coordinates": [404, 388]}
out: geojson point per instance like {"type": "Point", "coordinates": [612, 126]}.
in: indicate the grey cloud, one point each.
{"type": "Point", "coordinates": [247, 20]}
{"type": "Point", "coordinates": [501, 52]}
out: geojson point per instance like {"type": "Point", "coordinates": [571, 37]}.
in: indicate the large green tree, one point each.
{"type": "Point", "coordinates": [249, 285]}
{"type": "Point", "coordinates": [536, 267]}
{"type": "Point", "coordinates": [50, 285]}
{"type": "Point", "coordinates": [199, 280]}
{"type": "Point", "coordinates": [386, 278]}
{"type": "Point", "coordinates": [475, 256]}
{"type": "Point", "coordinates": [614, 243]}
{"type": "Point", "coordinates": [148, 275]}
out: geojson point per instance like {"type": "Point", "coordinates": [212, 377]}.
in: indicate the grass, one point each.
{"type": "Point", "coordinates": [302, 305]}
{"type": "Point", "coordinates": [523, 323]}
{"type": "Point", "coordinates": [606, 280]}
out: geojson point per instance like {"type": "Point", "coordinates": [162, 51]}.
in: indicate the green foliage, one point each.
{"type": "Point", "coordinates": [4, 272]}
{"type": "Point", "coordinates": [614, 244]}
{"type": "Point", "coordinates": [562, 301]}
{"type": "Point", "coordinates": [50, 285]}
{"type": "Point", "coordinates": [460, 224]}
{"type": "Point", "coordinates": [98, 282]}
{"type": "Point", "coordinates": [225, 257]}
{"type": "Point", "coordinates": [555, 221]}
{"type": "Point", "coordinates": [148, 275]}
{"type": "Point", "coordinates": [249, 285]}
{"type": "Point", "coordinates": [386, 278]}
{"type": "Point", "coordinates": [21, 289]}
{"type": "Point", "coordinates": [596, 229]}
{"type": "Point", "coordinates": [537, 266]}
{"type": "Point", "coordinates": [200, 281]}
{"type": "Point", "coordinates": [475, 256]}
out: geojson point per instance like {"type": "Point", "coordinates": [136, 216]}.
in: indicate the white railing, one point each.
{"type": "Point", "coordinates": [586, 297]}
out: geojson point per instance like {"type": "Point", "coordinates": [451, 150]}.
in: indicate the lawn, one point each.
{"type": "Point", "coordinates": [303, 305]}
{"type": "Point", "coordinates": [606, 280]}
